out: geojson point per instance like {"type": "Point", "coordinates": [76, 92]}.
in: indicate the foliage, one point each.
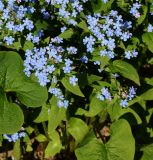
{"type": "Point", "coordinates": [76, 79]}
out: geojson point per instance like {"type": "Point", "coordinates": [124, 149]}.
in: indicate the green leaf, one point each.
{"type": "Point", "coordinates": [41, 138]}
{"type": "Point", "coordinates": [17, 150]}
{"type": "Point", "coordinates": [32, 94]}
{"type": "Point", "coordinates": [93, 150]}
{"type": "Point", "coordinates": [83, 25]}
{"type": "Point", "coordinates": [29, 148]}
{"type": "Point", "coordinates": [11, 69]}
{"type": "Point", "coordinates": [129, 110]}
{"type": "Point", "coordinates": [148, 40]}
{"type": "Point", "coordinates": [126, 70]}
{"type": "Point", "coordinates": [147, 152]}
{"type": "Point", "coordinates": [74, 89]}
{"type": "Point", "coordinates": [149, 81]}
{"type": "Point", "coordinates": [56, 115]}
{"type": "Point", "coordinates": [28, 45]}
{"type": "Point", "coordinates": [92, 78]}
{"type": "Point", "coordinates": [99, 5]}
{"type": "Point", "coordinates": [17, 45]}
{"type": "Point", "coordinates": [78, 129]}
{"type": "Point", "coordinates": [11, 116]}
{"type": "Point", "coordinates": [52, 148]}
{"type": "Point", "coordinates": [66, 34]}
{"type": "Point", "coordinates": [43, 115]}
{"type": "Point", "coordinates": [123, 5]}
{"type": "Point", "coordinates": [95, 107]}
{"type": "Point", "coordinates": [121, 145]}
{"type": "Point", "coordinates": [41, 24]}
{"type": "Point", "coordinates": [150, 61]}
{"type": "Point", "coordinates": [147, 95]}
{"type": "Point", "coordinates": [12, 79]}
{"type": "Point", "coordinates": [104, 60]}
{"type": "Point", "coordinates": [143, 15]}
{"type": "Point", "coordinates": [116, 111]}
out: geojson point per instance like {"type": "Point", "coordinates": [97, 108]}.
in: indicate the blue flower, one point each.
{"type": "Point", "coordinates": [28, 24]}
{"type": "Point", "coordinates": [150, 28]}
{"type": "Point", "coordinates": [71, 50]}
{"type": "Point", "coordinates": [1, 6]}
{"type": "Point", "coordinates": [14, 137]}
{"type": "Point", "coordinates": [84, 59]}
{"type": "Point", "coordinates": [73, 80]}
{"type": "Point", "coordinates": [132, 93]}
{"type": "Point", "coordinates": [105, 94]}
{"type": "Point", "coordinates": [9, 40]}
{"type": "Point", "coordinates": [135, 10]}
{"type": "Point", "coordinates": [124, 103]}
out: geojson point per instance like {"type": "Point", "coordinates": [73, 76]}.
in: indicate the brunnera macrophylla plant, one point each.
{"type": "Point", "coordinates": [76, 76]}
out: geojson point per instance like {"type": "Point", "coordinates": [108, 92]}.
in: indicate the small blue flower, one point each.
{"type": "Point", "coordinates": [84, 59]}
{"type": "Point", "coordinates": [124, 103]}
{"type": "Point", "coordinates": [14, 137]}
{"type": "Point", "coordinates": [73, 80]}
{"type": "Point", "coordinates": [71, 50]}
{"type": "Point", "coordinates": [9, 40]}
{"type": "Point", "coordinates": [150, 28]}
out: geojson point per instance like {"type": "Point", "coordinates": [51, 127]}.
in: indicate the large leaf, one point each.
{"type": "Point", "coordinates": [147, 95]}
{"type": "Point", "coordinates": [93, 150]}
{"type": "Point", "coordinates": [147, 152]}
{"type": "Point", "coordinates": [116, 111]}
{"type": "Point", "coordinates": [148, 40]}
{"type": "Point", "coordinates": [121, 145]}
{"type": "Point", "coordinates": [11, 116]}
{"type": "Point", "coordinates": [126, 70]}
{"type": "Point", "coordinates": [11, 70]}
{"type": "Point", "coordinates": [12, 79]}
{"type": "Point", "coordinates": [77, 128]}
{"type": "Point", "coordinates": [74, 89]}
{"type": "Point", "coordinates": [52, 148]}
{"type": "Point", "coordinates": [32, 94]}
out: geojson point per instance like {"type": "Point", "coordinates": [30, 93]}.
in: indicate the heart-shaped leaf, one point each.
{"type": "Point", "coordinates": [11, 116]}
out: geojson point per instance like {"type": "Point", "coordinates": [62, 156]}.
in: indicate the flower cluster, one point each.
{"type": "Point", "coordinates": [14, 20]}
{"type": "Point", "coordinates": [127, 97]}
{"type": "Point", "coordinates": [58, 94]}
{"type": "Point", "coordinates": [68, 9]}
{"type": "Point", "coordinates": [129, 54]}
{"type": "Point", "coordinates": [135, 9]}
{"type": "Point", "coordinates": [107, 31]}
{"type": "Point", "coordinates": [44, 62]}
{"type": "Point", "coordinates": [50, 61]}
{"type": "Point", "coordinates": [14, 137]}
{"type": "Point", "coordinates": [105, 94]}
